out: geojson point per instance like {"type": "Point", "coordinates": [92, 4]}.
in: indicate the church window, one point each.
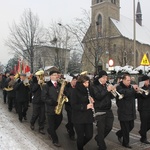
{"type": "Point", "coordinates": [113, 1]}
{"type": "Point", "coordinates": [114, 47]}
{"type": "Point", "coordinates": [99, 26]}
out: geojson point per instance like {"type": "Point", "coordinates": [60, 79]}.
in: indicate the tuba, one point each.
{"type": "Point", "coordinates": [10, 85]}
{"type": "Point", "coordinates": [61, 98]}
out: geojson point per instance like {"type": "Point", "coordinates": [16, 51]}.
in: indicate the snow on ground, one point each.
{"type": "Point", "coordinates": [14, 135]}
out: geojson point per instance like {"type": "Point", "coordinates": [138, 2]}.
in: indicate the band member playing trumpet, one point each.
{"type": "Point", "coordinates": [126, 109]}
{"type": "Point", "coordinates": [38, 105]}
{"type": "Point", "coordinates": [22, 96]}
{"type": "Point", "coordinates": [144, 109]}
{"type": "Point", "coordinates": [9, 87]}
{"type": "Point", "coordinates": [102, 96]}
{"type": "Point", "coordinates": [82, 115]}
{"type": "Point", "coordinates": [50, 94]}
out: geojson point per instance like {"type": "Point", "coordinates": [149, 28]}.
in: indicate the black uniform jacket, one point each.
{"type": "Point", "coordinates": [68, 91]}
{"type": "Point", "coordinates": [50, 95]}
{"type": "Point", "coordinates": [101, 96]}
{"type": "Point", "coordinates": [126, 106]}
{"type": "Point", "coordinates": [22, 91]}
{"type": "Point", "coordinates": [79, 101]}
{"type": "Point", "coordinates": [144, 100]}
{"type": "Point", "coordinates": [36, 93]}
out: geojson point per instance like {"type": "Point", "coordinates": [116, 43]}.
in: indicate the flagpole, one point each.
{"type": "Point", "coordinates": [134, 34]}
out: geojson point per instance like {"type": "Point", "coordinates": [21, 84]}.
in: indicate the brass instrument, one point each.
{"type": "Point", "coordinates": [61, 98]}
{"type": "Point", "coordinates": [115, 92]}
{"type": "Point", "coordinates": [140, 90]}
{"type": "Point", "coordinates": [95, 114]}
{"type": "Point", "coordinates": [40, 73]}
{"type": "Point", "coordinates": [26, 82]}
{"type": "Point", "coordinates": [10, 85]}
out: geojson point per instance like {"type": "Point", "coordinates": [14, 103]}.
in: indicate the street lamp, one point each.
{"type": "Point", "coordinates": [65, 53]}
{"type": "Point", "coordinates": [134, 34]}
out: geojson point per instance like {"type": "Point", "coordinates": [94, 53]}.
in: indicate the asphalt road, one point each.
{"type": "Point", "coordinates": [66, 144]}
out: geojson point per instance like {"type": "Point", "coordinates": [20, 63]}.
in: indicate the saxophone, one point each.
{"type": "Point", "coordinates": [61, 98]}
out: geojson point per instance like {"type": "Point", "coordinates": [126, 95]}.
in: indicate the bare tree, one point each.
{"type": "Point", "coordinates": [25, 35]}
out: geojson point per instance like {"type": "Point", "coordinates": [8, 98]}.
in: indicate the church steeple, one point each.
{"type": "Point", "coordinates": [139, 14]}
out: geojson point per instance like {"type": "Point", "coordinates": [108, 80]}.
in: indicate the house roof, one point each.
{"type": "Point", "coordinates": [125, 27]}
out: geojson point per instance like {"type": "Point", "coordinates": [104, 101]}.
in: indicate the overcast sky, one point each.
{"type": "Point", "coordinates": [48, 10]}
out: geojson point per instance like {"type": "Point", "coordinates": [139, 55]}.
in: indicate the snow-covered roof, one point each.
{"type": "Point", "coordinates": [125, 27]}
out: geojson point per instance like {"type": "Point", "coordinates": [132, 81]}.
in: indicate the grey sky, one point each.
{"type": "Point", "coordinates": [48, 10]}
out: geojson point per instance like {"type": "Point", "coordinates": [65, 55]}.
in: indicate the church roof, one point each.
{"type": "Point", "coordinates": [125, 27]}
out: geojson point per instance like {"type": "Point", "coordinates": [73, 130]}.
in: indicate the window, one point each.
{"type": "Point", "coordinates": [114, 47]}
{"type": "Point", "coordinates": [97, 1]}
{"type": "Point", "coordinates": [113, 1]}
{"type": "Point", "coordinates": [99, 25]}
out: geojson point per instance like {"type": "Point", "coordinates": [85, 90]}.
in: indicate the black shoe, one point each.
{"type": "Point", "coordinates": [32, 127]}
{"type": "Point", "coordinates": [119, 139]}
{"type": "Point", "coordinates": [56, 144]}
{"type": "Point", "coordinates": [25, 118]}
{"type": "Point", "coordinates": [20, 120]}
{"type": "Point", "coordinates": [41, 131]}
{"type": "Point", "coordinates": [145, 141]}
{"type": "Point", "coordinates": [127, 146]}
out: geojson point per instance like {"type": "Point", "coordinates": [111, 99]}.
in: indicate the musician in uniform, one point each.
{"type": "Point", "coordinates": [68, 90]}
{"type": "Point", "coordinates": [38, 105]}
{"type": "Point", "coordinates": [22, 96]}
{"type": "Point", "coordinates": [50, 94]}
{"type": "Point", "coordinates": [102, 96]}
{"type": "Point", "coordinates": [82, 115]}
{"type": "Point", "coordinates": [126, 109]}
{"type": "Point", "coordinates": [4, 78]}
{"type": "Point", "coordinates": [11, 94]}
{"type": "Point", "coordinates": [144, 109]}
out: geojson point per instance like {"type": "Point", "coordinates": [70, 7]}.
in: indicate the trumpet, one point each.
{"type": "Point", "coordinates": [115, 92]}
{"type": "Point", "coordinates": [140, 90]}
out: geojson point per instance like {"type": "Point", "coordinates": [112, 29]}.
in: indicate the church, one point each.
{"type": "Point", "coordinates": [113, 36]}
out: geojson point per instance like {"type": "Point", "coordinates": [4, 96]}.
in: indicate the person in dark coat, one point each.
{"type": "Point", "coordinates": [4, 78]}
{"type": "Point", "coordinates": [38, 105]}
{"type": "Point", "coordinates": [126, 109]}
{"type": "Point", "coordinates": [102, 96]}
{"type": "Point", "coordinates": [144, 109]}
{"type": "Point", "coordinates": [22, 96]}
{"type": "Point", "coordinates": [50, 94]}
{"type": "Point", "coordinates": [11, 93]}
{"type": "Point", "coordinates": [82, 115]}
{"type": "Point", "coordinates": [68, 90]}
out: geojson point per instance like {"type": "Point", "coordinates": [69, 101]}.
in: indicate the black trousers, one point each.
{"type": "Point", "coordinates": [69, 125]}
{"type": "Point", "coordinates": [126, 127]}
{"type": "Point", "coordinates": [5, 95]}
{"type": "Point", "coordinates": [11, 101]}
{"type": "Point", "coordinates": [145, 124]}
{"type": "Point", "coordinates": [54, 122]}
{"type": "Point", "coordinates": [104, 126]}
{"type": "Point", "coordinates": [22, 108]}
{"type": "Point", "coordinates": [84, 134]}
{"type": "Point", "coordinates": [38, 113]}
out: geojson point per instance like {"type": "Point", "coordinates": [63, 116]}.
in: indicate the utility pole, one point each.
{"type": "Point", "coordinates": [134, 34]}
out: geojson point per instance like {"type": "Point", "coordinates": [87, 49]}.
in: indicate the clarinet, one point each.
{"type": "Point", "coordinates": [94, 113]}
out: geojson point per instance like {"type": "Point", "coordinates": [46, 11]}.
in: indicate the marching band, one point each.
{"type": "Point", "coordinates": [86, 101]}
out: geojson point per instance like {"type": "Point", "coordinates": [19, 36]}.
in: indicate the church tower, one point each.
{"type": "Point", "coordinates": [139, 14]}
{"type": "Point", "coordinates": [102, 11]}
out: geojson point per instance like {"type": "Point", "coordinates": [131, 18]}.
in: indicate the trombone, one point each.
{"type": "Point", "coordinates": [115, 92]}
